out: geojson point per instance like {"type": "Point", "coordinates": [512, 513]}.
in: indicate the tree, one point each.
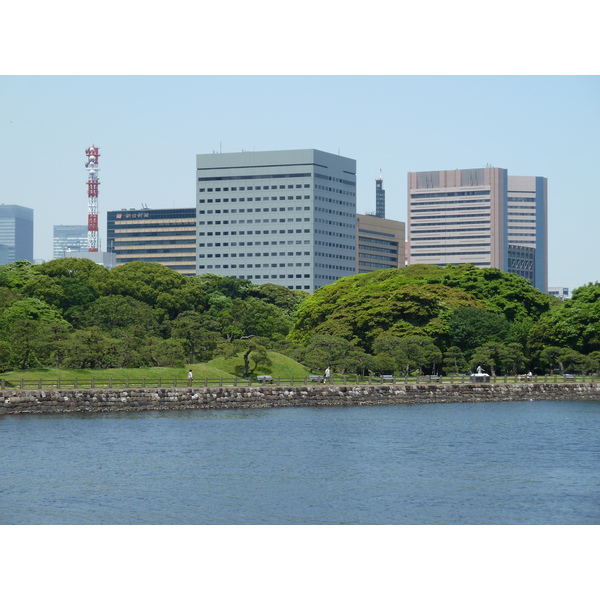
{"type": "Point", "coordinates": [89, 348]}
{"type": "Point", "coordinates": [472, 327]}
{"type": "Point", "coordinates": [421, 353]}
{"type": "Point", "coordinates": [143, 281]}
{"type": "Point", "coordinates": [357, 361]}
{"type": "Point", "coordinates": [574, 323]}
{"type": "Point", "coordinates": [26, 343]}
{"type": "Point", "coordinates": [325, 351]}
{"type": "Point", "coordinates": [496, 356]}
{"type": "Point", "coordinates": [196, 332]}
{"type": "Point", "coordinates": [252, 349]}
{"type": "Point", "coordinates": [567, 359]}
{"type": "Point", "coordinates": [114, 313]}
{"type": "Point", "coordinates": [454, 361]}
{"type": "Point", "coordinates": [158, 352]}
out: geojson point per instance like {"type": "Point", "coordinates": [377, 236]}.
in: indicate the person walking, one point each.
{"type": "Point", "coordinates": [190, 377]}
{"type": "Point", "coordinates": [327, 374]}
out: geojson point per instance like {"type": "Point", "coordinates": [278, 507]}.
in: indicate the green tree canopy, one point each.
{"type": "Point", "coordinates": [417, 300]}
{"type": "Point", "coordinates": [573, 323]}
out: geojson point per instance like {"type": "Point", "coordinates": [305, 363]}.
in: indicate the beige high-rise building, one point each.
{"type": "Point", "coordinates": [479, 216]}
{"type": "Point", "coordinates": [379, 243]}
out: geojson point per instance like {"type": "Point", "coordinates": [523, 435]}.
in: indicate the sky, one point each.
{"type": "Point", "coordinates": [150, 128]}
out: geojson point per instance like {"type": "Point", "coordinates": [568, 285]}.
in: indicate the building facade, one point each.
{"type": "Point", "coordinates": [166, 236]}
{"type": "Point", "coordinates": [69, 238]}
{"type": "Point", "coordinates": [379, 243]}
{"type": "Point", "coordinates": [285, 217]}
{"type": "Point", "coordinates": [16, 231]}
{"type": "Point", "coordinates": [562, 293]}
{"type": "Point", "coordinates": [106, 259]}
{"type": "Point", "coordinates": [479, 216]}
{"type": "Point", "coordinates": [528, 229]}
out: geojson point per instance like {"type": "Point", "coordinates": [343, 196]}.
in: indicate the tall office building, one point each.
{"type": "Point", "coordinates": [286, 217]}
{"type": "Point", "coordinates": [16, 231]}
{"type": "Point", "coordinates": [69, 238]}
{"type": "Point", "coordinates": [166, 236]}
{"type": "Point", "coordinates": [479, 216]}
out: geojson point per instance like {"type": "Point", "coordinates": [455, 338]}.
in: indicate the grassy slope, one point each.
{"type": "Point", "coordinates": [282, 366]}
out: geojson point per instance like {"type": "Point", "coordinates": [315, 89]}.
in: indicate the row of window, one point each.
{"type": "Point", "coordinates": [446, 202]}
{"type": "Point", "coordinates": [381, 233]}
{"type": "Point", "coordinates": [266, 243]}
{"type": "Point", "coordinates": [362, 238]}
{"type": "Point", "coordinates": [376, 249]}
{"type": "Point", "coordinates": [250, 266]}
{"type": "Point", "coordinates": [391, 259]}
{"type": "Point", "coordinates": [416, 195]}
{"type": "Point", "coordinates": [477, 245]}
{"type": "Point", "coordinates": [466, 209]}
{"type": "Point", "coordinates": [256, 187]}
{"type": "Point", "coordinates": [442, 217]}
{"type": "Point", "coordinates": [254, 265]}
{"type": "Point", "coordinates": [460, 229]}
{"type": "Point", "coordinates": [170, 259]}
{"type": "Point", "coordinates": [423, 255]}
{"type": "Point", "coordinates": [254, 232]}
{"type": "Point", "coordinates": [244, 210]}
{"type": "Point", "coordinates": [330, 233]}
{"type": "Point", "coordinates": [256, 199]}
{"type": "Point", "coordinates": [331, 267]}
{"type": "Point", "coordinates": [243, 254]}
{"type": "Point", "coordinates": [244, 221]}
{"type": "Point", "coordinates": [364, 263]}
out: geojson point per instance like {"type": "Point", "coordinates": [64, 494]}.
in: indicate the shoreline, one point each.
{"type": "Point", "coordinates": [68, 401]}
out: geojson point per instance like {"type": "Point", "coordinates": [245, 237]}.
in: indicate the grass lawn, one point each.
{"type": "Point", "coordinates": [281, 366]}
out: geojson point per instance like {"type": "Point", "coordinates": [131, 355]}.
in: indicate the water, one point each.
{"type": "Point", "coordinates": [488, 463]}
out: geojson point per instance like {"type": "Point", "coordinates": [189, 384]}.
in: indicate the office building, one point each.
{"type": "Point", "coordinates": [562, 293]}
{"type": "Point", "coordinates": [69, 238]}
{"type": "Point", "coordinates": [479, 216]}
{"type": "Point", "coordinates": [16, 231]}
{"type": "Point", "coordinates": [528, 229]}
{"type": "Point", "coordinates": [285, 217]}
{"type": "Point", "coordinates": [166, 236]}
{"type": "Point", "coordinates": [106, 259]}
{"type": "Point", "coordinates": [379, 243]}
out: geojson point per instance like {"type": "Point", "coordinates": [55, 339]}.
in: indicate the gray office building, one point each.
{"type": "Point", "coordinates": [16, 232]}
{"type": "Point", "coordinates": [285, 217]}
{"type": "Point", "coordinates": [69, 238]}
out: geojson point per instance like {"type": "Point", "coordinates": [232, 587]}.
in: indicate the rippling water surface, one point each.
{"type": "Point", "coordinates": [488, 463]}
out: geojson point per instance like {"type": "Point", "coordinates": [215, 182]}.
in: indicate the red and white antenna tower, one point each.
{"type": "Point", "coordinates": [93, 182]}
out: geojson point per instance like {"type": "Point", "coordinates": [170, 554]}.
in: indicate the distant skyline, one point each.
{"type": "Point", "coordinates": [150, 128]}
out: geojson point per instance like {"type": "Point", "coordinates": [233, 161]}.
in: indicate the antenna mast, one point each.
{"type": "Point", "coordinates": [93, 182]}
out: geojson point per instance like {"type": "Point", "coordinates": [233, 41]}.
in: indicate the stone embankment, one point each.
{"type": "Point", "coordinates": [270, 396]}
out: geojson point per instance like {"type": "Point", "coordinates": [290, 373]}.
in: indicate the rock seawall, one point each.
{"type": "Point", "coordinates": [269, 396]}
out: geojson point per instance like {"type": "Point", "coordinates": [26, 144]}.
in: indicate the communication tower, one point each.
{"type": "Point", "coordinates": [93, 182]}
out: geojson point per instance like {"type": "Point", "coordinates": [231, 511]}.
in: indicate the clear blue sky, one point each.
{"type": "Point", "coordinates": [149, 129]}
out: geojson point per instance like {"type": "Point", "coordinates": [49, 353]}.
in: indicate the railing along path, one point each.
{"type": "Point", "coordinates": [144, 382]}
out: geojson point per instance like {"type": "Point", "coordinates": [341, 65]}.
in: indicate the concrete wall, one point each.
{"type": "Point", "coordinates": [269, 396]}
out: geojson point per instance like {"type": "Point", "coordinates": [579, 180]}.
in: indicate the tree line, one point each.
{"type": "Point", "coordinates": [73, 313]}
